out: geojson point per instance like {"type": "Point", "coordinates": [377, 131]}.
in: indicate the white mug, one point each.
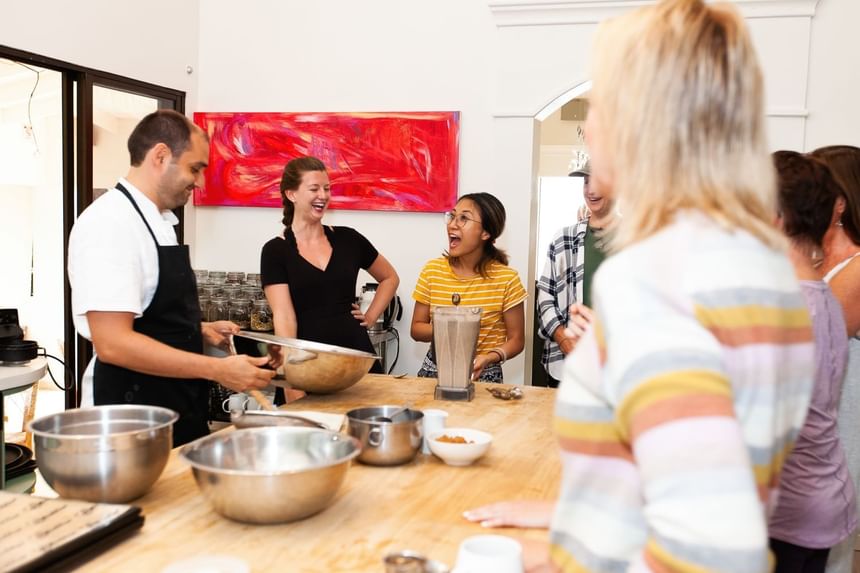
{"type": "Point", "coordinates": [239, 401]}
{"type": "Point", "coordinates": [434, 421]}
{"type": "Point", "coordinates": [495, 553]}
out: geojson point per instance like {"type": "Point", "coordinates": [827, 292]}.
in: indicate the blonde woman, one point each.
{"type": "Point", "coordinates": [676, 410]}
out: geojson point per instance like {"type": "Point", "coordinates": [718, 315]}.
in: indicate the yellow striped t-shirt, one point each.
{"type": "Point", "coordinates": [501, 291]}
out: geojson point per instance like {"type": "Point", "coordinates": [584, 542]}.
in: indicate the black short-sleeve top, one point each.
{"type": "Point", "coordinates": [322, 298]}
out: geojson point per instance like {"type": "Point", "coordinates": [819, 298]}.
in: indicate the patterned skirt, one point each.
{"type": "Point", "coordinates": [492, 373]}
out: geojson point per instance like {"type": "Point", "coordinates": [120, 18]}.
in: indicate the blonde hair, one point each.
{"type": "Point", "coordinates": [679, 97]}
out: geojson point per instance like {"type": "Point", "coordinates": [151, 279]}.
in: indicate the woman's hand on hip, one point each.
{"type": "Point", "coordinates": [360, 316]}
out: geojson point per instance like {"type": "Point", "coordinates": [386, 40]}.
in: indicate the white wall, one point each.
{"type": "Point", "coordinates": [151, 41]}
{"type": "Point", "coordinates": [384, 55]}
{"type": "Point", "coordinates": [834, 75]}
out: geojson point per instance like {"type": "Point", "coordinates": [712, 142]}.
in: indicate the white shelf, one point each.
{"type": "Point", "coordinates": [20, 377]}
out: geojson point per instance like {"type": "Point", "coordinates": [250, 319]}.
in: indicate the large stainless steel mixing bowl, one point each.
{"type": "Point", "coordinates": [107, 454]}
{"type": "Point", "coordinates": [309, 366]}
{"type": "Point", "coordinates": [270, 475]}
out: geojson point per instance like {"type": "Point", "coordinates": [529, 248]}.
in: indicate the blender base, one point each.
{"type": "Point", "coordinates": [457, 394]}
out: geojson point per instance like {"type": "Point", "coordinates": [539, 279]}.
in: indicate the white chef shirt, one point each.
{"type": "Point", "coordinates": [113, 262]}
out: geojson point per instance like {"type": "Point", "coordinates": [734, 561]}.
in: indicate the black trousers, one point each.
{"type": "Point", "coordinates": [792, 558]}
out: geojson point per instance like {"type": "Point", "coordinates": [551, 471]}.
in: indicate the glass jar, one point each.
{"type": "Point", "coordinates": [218, 309]}
{"type": "Point", "coordinates": [251, 292]}
{"type": "Point", "coordinates": [240, 313]}
{"type": "Point", "coordinates": [217, 277]}
{"type": "Point", "coordinates": [201, 275]}
{"type": "Point", "coordinates": [253, 279]}
{"type": "Point", "coordinates": [261, 317]}
{"type": "Point", "coordinates": [205, 302]}
{"type": "Point", "coordinates": [231, 291]}
{"type": "Point", "coordinates": [235, 278]}
{"type": "Point", "coordinates": [209, 290]}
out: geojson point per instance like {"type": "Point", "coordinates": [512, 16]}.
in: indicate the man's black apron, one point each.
{"type": "Point", "coordinates": [173, 318]}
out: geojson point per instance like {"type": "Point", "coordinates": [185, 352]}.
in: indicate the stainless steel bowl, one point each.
{"type": "Point", "coordinates": [107, 454]}
{"type": "Point", "coordinates": [386, 443]}
{"type": "Point", "coordinates": [270, 475]}
{"type": "Point", "coordinates": [309, 366]}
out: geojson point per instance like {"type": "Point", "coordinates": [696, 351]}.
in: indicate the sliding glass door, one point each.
{"type": "Point", "coordinates": [69, 124]}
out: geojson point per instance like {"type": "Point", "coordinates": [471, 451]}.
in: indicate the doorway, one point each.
{"type": "Point", "coordinates": [64, 128]}
{"type": "Point", "coordinates": [560, 150]}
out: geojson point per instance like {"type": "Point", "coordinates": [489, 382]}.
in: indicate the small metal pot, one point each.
{"type": "Point", "coordinates": [386, 443]}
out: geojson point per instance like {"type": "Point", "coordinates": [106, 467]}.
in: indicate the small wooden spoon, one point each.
{"type": "Point", "coordinates": [261, 400]}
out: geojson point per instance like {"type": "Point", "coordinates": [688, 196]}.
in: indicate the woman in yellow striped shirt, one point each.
{"type": "Point", "coordinates": [474, 272]}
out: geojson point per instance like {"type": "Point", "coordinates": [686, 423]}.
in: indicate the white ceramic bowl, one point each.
{"type": "Point", "coordinates": [460, 454]}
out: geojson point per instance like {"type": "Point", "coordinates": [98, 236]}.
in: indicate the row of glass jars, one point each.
{"type": "Point", "coordinates": [247, 314]}
{"type": "Point", "coordinates": [222, 277]}
{"type": "Point", "coordinates": [231, 291]}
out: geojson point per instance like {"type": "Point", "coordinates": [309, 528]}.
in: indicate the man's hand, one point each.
{"type": "Point", "coordinates": [215, 333]}
{"type": "Point", "coordinates": [580, 320]}
{"type": "Point", "coordinates": [242, 373]}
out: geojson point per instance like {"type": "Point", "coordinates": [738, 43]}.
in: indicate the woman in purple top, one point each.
{"type": "Point", "coordinates": [817, 504]}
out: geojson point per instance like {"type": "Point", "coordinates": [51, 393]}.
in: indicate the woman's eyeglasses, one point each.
{"type": "Point", "coordinates": [459, 220]}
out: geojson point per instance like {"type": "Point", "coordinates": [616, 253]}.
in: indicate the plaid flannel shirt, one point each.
{"type": "Point", "coordinates": [560, 286]}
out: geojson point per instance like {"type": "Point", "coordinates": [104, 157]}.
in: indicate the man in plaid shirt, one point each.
{"type": "Point", "coordinates": [564, 288]}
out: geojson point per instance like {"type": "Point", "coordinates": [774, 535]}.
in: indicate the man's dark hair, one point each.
{"type": "Point", "coordinates": [163, 126]}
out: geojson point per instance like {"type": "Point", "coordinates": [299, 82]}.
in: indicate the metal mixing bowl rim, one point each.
{"type": "Point", "coordinates": [186, 449]}
{"type": "Point", "coordinates": [47, 434]}
{"type": "Point", "coordinates": [370, 422]}
{"type": "Point", "coordinates": [308, 345]}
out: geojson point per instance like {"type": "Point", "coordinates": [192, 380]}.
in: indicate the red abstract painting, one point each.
{"type": "Point", "coordinates": [376, 161]}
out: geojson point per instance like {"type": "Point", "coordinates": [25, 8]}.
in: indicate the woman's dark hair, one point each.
{"type": "Point", "coordinates": [292, 178]}
{"type": "Point", "coordinates": [493, 216]}
{"type": "Point", "coordinates": [806, 194]}
{"type": "Point", "coordinates": [163, 126]}
{"type": "Point", "coordinates": [844, 163]}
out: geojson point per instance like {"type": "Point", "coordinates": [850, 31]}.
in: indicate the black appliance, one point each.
{"type": "Point", "coordinates": [14, 350]}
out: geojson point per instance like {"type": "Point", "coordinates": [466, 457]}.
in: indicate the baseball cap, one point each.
{"type": "Point", "coordinates": [583, 171]}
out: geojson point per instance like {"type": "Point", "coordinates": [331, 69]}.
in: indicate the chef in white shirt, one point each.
{"type": "Point", "coordinates": [133, 289]}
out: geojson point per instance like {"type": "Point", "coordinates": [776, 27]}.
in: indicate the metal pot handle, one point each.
{"type": "Point", "coordinates": [374, 437]}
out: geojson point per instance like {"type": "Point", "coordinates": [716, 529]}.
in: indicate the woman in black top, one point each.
{"type": "Point", "coordinates": [309, 274]}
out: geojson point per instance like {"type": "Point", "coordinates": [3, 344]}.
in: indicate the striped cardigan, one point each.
{"type": "Point", "coordinates": [676, 412]}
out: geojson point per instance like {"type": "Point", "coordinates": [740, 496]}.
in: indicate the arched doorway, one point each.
{"type": "Point", "coordinates": [559, 149]}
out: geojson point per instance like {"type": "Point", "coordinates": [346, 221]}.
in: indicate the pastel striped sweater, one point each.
{"type": "Point", "coordinates": [676, 412]}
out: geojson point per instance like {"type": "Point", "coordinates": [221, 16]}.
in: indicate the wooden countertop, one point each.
{"type": "Point", "coordinates": [378, 510]}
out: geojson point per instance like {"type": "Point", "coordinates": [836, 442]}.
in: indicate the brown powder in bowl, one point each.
{"type": "Point", "coordinates": [453, 439]}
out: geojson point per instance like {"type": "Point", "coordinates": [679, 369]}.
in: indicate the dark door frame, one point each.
{"type": "Point", "coordinates": [77, 100]}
